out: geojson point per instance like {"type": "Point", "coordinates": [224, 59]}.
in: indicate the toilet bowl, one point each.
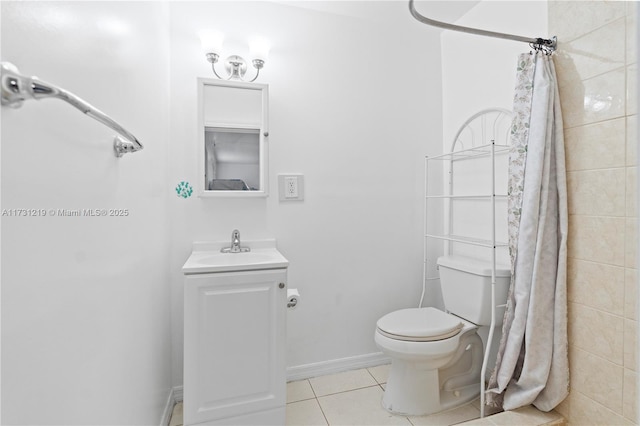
{"type": "Point", "coordinates": [424, 343]}
{"type": "Point", "coordinates": [436, 356]}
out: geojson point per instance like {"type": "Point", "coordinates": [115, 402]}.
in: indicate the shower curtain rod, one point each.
{"type": "Point", "coordinates": [16, 88]}
{"type": "Point", "coordinates": [537, 43]}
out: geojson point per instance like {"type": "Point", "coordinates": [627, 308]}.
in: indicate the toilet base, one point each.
{"type": "Point", "coordinates": [415, 388]}
{"type": "Point", "coordinates": [420, 396]}
{"type": "Point", "coordinates": [408, 390]}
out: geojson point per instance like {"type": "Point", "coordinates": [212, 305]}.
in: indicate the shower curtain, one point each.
{"type": "Point", "coordinates": [532, 364]}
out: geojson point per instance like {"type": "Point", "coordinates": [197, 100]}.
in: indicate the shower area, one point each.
{"type": "Point", "coordinates": [598, 92]}
{"type": "Point", "coordinates": [91, 307]}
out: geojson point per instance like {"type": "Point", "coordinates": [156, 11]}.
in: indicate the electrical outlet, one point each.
{"type": "Point", "coordinates": [291, 187]}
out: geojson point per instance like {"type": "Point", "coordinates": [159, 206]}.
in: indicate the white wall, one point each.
{"type": "Point", "coordinates": [85, 300]}
{"type": "Point", "coordinates": [355, 106]}
{"type": "Point", "coordinates": [479, 72]}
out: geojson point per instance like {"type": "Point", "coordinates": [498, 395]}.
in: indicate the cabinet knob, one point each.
{"type": "Point", "coordinates": [281, 285]}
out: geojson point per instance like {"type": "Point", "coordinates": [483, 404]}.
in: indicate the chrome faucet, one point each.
{"type": "Point", "coordinates": [235, 244]}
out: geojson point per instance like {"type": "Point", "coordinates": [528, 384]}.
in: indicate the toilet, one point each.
{"type": "Point", "coordinates": [436, 356]}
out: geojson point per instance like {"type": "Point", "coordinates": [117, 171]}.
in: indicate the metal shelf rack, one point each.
{"type": "Point", "coordinates": [470, 143]}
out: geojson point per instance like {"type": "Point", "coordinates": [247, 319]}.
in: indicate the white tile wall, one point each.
{"type": "Point", "coordinates": [596, 67]}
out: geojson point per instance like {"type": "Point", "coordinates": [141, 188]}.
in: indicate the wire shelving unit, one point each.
{"type": "Point", "coordinates": [483, 135]}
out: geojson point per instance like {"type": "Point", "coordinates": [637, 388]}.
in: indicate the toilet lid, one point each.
{"type": "Point", "coordinates": [419, 325]}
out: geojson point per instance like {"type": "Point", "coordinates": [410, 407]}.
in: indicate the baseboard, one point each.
{"type": "Point", "coordinates": [168, 408]}
{"type": "Point", "coordinates": [178, 393]}
{"type": "Point", "coordinates": [307, 371]}
{"type": "Point", "coordinates": [175, 395]}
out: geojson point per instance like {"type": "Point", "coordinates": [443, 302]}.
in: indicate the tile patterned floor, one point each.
{"type": "Point", "coordinates": [522, 416]}
{"type": "Point", "coordinates": [176, 415]}
{"type": "Point", "coordinates": [353, 398]}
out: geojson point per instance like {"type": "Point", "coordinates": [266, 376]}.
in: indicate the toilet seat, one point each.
{"type": "Point", "coordinates": [419, 325]}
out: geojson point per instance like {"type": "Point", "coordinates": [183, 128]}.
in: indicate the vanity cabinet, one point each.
{"type": "Point", "coordinates": [234, 347]}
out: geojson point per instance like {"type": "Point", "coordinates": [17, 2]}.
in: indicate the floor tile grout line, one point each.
{"type": "Point", "coordinates": [372, 376]}
{"type": "Point", "coordinates": [322, 411]}
{"type": "Point", "coordinates": [318, 402]}
{"type": "Point", "coordinates": [301, 400]}
{"type": "Point", "coordinates": [409, 420]}
{"type": "Point", "coordinates": [349, 390]}
{"type": "Point", "coordinates": [312, 389]}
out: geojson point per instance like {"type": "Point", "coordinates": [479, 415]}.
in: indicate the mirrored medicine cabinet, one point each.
{"type": "Point", "coordinates": [232, 138]}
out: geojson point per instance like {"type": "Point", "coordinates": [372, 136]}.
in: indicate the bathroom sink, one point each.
{"type": "Point", "coordinates": [206, 257]}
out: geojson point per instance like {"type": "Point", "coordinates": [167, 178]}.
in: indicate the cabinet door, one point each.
{"type": "Point", "coordinates": [233, 129]}
{"type": "Point", "coordinates": [234, 344]}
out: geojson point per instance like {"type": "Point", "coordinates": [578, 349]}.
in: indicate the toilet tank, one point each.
{"type": "Point", "coordinates": [466, 288]}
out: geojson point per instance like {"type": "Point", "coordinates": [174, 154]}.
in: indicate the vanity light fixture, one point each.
{"type": "Point", "coordinates": [235, 65]}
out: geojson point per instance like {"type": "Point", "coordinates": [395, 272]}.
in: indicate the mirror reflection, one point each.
{"type": "Point", "coordinates": [232, 159]}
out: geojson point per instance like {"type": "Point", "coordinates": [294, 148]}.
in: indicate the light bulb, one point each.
{"type": "Point", "coordinates": [211, 41]}
{"type": "Point", "coordinates": [259, 48]}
